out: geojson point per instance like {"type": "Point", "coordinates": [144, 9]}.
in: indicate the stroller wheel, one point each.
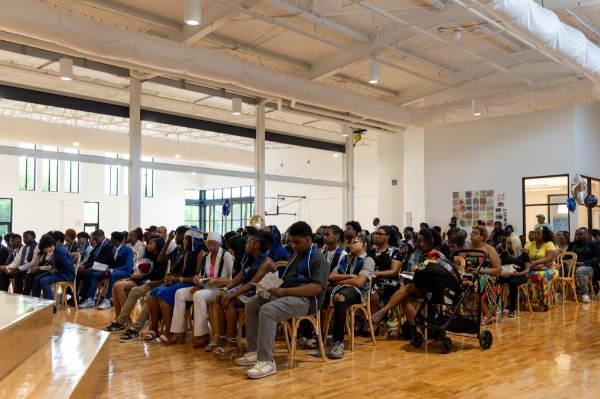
{"type": "Point", "coordinates": [417, 340]}
{"type": "Point", "coordinates": [485, 339]}
{"type": "Point", "coordinates": [446, 345]}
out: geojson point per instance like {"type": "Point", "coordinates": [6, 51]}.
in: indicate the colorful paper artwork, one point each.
{"type": "Point", "coordinates": [470, 206]}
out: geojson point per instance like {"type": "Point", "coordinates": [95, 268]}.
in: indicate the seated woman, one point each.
{"type": "Point", "coordinates": [350, 280]}
{"type": "Point", "coordinates": [388, 261]}
{"type": "Point", "coordinates": [215, 272]}
{"type": "Point", "coordinates": [62, 268]}
{"type": "Point", "coordinates": [277, 251]}
{"type": "Point", "coordinates": [163, 297]}
{"type": "Point", "coordinates": [514, 255]}
{"type": "Point", "coordinates": [542, 253]}
{"type": "Point", "coordinates": [406, 295]}
{"type": "Point", "coordinates": [487, 273]}
{"type": "Point", "coordinates": [562, 241]}
{"type": "Point", "coordinates": [122, 288]}
{"type": "Point", "coordinates": [255, 266]}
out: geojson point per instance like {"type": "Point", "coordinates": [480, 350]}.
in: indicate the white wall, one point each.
{"type": "Point", "coordinates": [390, 166]}
{"type": "Point", "coordinates": [495, 154]}
{"type": "Point", "coordinates": [414, 176]}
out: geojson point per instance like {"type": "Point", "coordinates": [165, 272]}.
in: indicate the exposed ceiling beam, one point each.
{"type": "Point", "coordinates": [140, 15]}
{"type": "Point", "coordinates": [213, 18]}
{"type": "Point", "coordinates": [255, 51]}
{"type": "Point", "coordinates": [322, 21]}
{"type": "Point", "coordinates": [397, 19]}
{"type": "Point", "coordinates": [584, 22]}
{"type": "Point", "coordinates": [321, 38]}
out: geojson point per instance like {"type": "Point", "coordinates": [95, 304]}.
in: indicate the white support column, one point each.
{"type": "Point", "coordinates": [135, 153]}
{"type": "Point", "coordinates": [349, 178]}
{"type": "Point", "coordinates": [259, 160]}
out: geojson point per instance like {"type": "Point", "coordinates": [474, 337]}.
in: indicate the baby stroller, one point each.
{"type": "Point", "coordinates": [452, 304]}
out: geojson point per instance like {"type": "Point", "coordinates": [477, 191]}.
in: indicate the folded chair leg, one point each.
{"type": "Point", "coordinates": [293, 343]}
{"type": "Point", "coordinates": [317, 325]}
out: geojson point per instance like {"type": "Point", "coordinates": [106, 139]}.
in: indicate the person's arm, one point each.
{"type": "Point", "coordinates": [125, 261]}
{"type": "Point", "coordinates": [495, 264]}
{"type": "Point", "coordinates": [162, 256]}
{"type": "Point", "coordinates": [540, 264]}
{"type": "Point", "coordinates": [237, 280]}
{"type": "Point", "coordinates": [336, 277]}
{"type": "Point", "coordinates": [34, 261]}
{"type": "Point", "coordinates": [265, 267]}
{"type": "Point", "coordinates": [310, 289]}
{"type": "Point", "coordinates": [393, 272]}
{"type": "Point", "coordinates": [525, 271]}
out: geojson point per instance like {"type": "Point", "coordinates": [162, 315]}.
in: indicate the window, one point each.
{"type": "Point", "coordinates": [27, 168]}
{"type": "Point", "coordinates": [111, 177]}
{"type": "Point", "coordinates": [590, 218]}
{"type": "Point", "coordinates": [49, 172]}
{"type": "Point", "coordinates": [204, 208]}
{"type": "Point", "coordinates": [91, 216]}
{"type": "Point", "coordinates": [71, 173]}
{"type": "Point", "coordinates": [546, 195]}
{"type": "Point", "coordinates": [147, 180]}
{"type": "Point", "coordinates": [5, 216]}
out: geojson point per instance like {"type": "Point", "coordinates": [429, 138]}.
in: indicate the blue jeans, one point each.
{"type": "Point", "coordinates": [43, 282]}
{"type": "Point", "coordinates": [95, 277]}
{"type": "Point", "coordinates": [113, 278]}
{"type": "Point", "coordinates": [582, 273]}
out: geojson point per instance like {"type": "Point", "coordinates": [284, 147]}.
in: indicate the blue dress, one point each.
{"type": "Point", "coordinates": [167, 292]}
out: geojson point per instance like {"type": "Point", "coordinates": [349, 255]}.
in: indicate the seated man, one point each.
{"type": "Point", "coordinates": [350, 280]}
{"type": "Point", "coordinates": [26, 258]}
{"type": "Point", "coordinates": [14, 246]}
{"type": "Point", "coordinates": [332, 249]}
{"type": "Point", "coordinates": [61, 262]}
{"type": "Point", "coordinates": [588, 261]}
{"type": "Point", "coordinates": [102, 253]}
{"type": "Point", "coordinates": [121, 268]}
{"type": "Point", "coordinates": [84, 247]}
{"type": "Point", "coordinates": [304, 279]}
{"type": "Point", "coordinates": [71, 241]}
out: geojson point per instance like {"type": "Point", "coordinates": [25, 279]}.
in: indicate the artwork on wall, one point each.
{"type": "Point", "coordinates": [501, 212]}
{"type": "Point", "coordinates": [470, 206]}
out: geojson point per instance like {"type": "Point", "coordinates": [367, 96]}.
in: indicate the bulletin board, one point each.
{"type": "Point", "coordinates": [470, 206]}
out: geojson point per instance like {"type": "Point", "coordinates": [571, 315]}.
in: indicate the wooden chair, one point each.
{"type": "Point", "coordinates": [290, 330]}
{"type": "Point", "coordinates": [590, 282]}
{"type": "Point", "coordinates": [364, 308]}
{"type": "Point", "coordinates": [521, 290]}
{"type": "Point", "coordinates": [566, 278]}
{"type": "Point", "coordinates": [64, 285]}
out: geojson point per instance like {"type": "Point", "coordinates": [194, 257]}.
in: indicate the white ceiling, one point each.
{"type": "Point", "coordinates": [332, 41]}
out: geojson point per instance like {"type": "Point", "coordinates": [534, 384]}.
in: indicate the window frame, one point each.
{"type": "Point", "coordinates": [524, 203]}
{"type": "Point", "coordinates": [26, 173]}
{"type": "Point", "coordinates": [95, 225]}
{"type": "Point", "coordinates": [10, 222]}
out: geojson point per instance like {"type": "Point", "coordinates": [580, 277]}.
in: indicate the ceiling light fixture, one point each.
{"type": "Point", "coordinates": [236, 106]}
{"type": "Point", "coordinates": [373, 72]}
{"type": "Point", "coordinates": [177, 156]}
{"type": "Point", "coordinates": [66, 68]}
{"type": "Point", "coordinates": [477, 106]}
{"type": "Point", "coordinates": [192, 12]}
{"type": "Point", "coordinates": [335, 154]}
{"type": "Point", "coordinates": [457, 34]}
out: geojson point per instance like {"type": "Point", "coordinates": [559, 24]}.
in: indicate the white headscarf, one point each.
{"type": "Point", "coordinates": [516, 244]}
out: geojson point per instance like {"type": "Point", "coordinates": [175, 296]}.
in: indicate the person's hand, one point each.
{"type": "Point", "coordinates": [194, 289]}
{"type": "Point", "coordinates": [196, 280]}
{"type": "Point", "coordinates": [35, 269]}
{"type": "Point", "coordinates": [171, 236]}
{"type": "Point", "coordinates": [137, 276]}
{"type": "Point", "coordinates": [277, 292]}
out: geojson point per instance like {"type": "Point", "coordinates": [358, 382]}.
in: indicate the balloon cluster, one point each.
{"type": "Point", "coordinates": [580, 195]}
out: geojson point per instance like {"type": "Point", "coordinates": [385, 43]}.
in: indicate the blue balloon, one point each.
{"type": "Point", "coordinates": [226, 208]}
{"type": "Point", "coordinates": [591, 201]}
{"type": "Point", "coordinates": [571, 204]}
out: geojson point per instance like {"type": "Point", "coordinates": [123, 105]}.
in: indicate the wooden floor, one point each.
{"type": "Point", "coordinates": [540, 355]}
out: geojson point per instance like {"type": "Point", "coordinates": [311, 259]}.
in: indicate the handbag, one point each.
{"type": "Point", "coordinates": [508, 270]}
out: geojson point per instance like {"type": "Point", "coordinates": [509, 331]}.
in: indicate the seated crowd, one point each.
{"type": "Point", "coordinates": [218, 278]}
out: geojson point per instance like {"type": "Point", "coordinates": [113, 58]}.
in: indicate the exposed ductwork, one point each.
{"type": "Point", "coordinates": [543, 28]}
{"type": "Point", "coordinates": [34, 19]}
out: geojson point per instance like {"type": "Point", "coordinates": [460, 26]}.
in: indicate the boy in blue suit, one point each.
{"type": "Point", "coordinates": [61, 261]}
{"type": "Point", "coordinates": [122, 266]}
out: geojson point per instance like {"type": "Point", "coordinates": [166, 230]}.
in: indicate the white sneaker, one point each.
{"type": "Point", "coordinates": [105, 304]}
{"type": "Point", "coordinates": [249, 359]}
{"type": "Point", "coordinates": [89, 303]}
{"type": "Point", "coordinates": [585, 299]}
{"type": "Point", "coordinates": [262, 369]}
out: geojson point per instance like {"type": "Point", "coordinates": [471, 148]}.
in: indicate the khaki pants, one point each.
{"type": "Point", "coordinates": [136, 294]}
